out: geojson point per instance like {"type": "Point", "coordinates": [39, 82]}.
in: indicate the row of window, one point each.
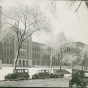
{"type": "Point", "coordinates": [45, 57]}
{"type": "Point", "coordinates": [67, 50]}
{"type": "Point", "coordinates": [23, 53]}
{"type": "Point", "coordinates": [45, 63]}
{"type": "Point", "coordinates": [55, 63]}
{"type": "Point", "coordinates": [7, 61]}
{"type": "Point", "coordinates": [6, 51]}
{"type": "Point", "coordinates": [36, 48]}
{"type": "Point", "coordinates": [35, 55]}
{"type": "Point", "coordinates": [23, 62]}
{"type": "Point", "coordinates": [24, 46]}
{"type": "Point", "coordinates": [8, 42]}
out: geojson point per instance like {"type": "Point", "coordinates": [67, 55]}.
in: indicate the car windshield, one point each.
{"type": "Point", "coordinates": [86, 73]}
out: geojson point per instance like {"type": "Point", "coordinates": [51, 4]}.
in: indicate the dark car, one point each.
{"type": "Point", "coordinates": [79, 78]}
{"type": "Point", "coordinates": [58, 73]}
{"type": "Point", "coordinates": [18, 74]}
{"type": "Point", "coordinates": [41, 74]}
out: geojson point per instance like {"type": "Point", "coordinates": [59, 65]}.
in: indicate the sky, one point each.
{"type": "Point", "coordinates": [73, 24]}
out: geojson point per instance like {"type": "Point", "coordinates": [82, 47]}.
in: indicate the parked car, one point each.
{"type": "Point", "coordinates": [18, 74]}
{"type": "Point", "coordinates": [46, 74]}
{"type": "Point", "coordinates": [41, 74]}
{"type": "Point", "coordinates": [79, 78]}
{"type": "Point", "coordinates": [58, 73]}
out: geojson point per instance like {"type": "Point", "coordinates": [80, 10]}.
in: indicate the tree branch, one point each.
{"type": "Point", "coordinates": [72, 3]}
{"type": "Point", "coordinates": [9, 17]}
{"type": "Point", "coordinates": [78, 6]}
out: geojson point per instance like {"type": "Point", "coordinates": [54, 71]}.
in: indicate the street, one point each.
{"type": "Point", "coordinates": [57, 82]}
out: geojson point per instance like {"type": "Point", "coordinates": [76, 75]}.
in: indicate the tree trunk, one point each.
{"type": "Point", "coordinates": [50, 61]}
{"type": "Point", "coordinates": [16, 59]}
{"type": "Point", "coordinates": [60, 67]}
{"type": "Point", "coordinates": [71, 65]}
{"type": "Point", "coordinates": [61, 60]}
{"type": "Point", "coordinates": [82, 65]}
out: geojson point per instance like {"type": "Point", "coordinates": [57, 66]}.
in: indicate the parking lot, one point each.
{"type": "Point", "coordinates": [52, 82]}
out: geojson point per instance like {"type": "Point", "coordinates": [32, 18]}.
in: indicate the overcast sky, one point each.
{"type": "Point", "coordinates": [73, 24]}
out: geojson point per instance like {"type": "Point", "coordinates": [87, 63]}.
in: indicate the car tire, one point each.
{"type": "Point", "coordinates": [48, 76]}
{"type": "Point", "coordinates": [54, 76]}
{"type": "Point", "coordinates": [83, 84]}
{"type": "Point", "coordinates": [5, 79]}
{"type": "Point", "coordinates": [62, 75]}
{"type": "Point", "coordinates": [70, 84]}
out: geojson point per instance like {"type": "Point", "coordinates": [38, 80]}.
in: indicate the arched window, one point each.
{"type": "Point", "coordinates": [33, 62]}
{"type": "Point", "coordinates": [27, 63]}
{"type": "Point", "coordinates": [19, 62]}
{"type": "Point", "coordinates": [23, 62]}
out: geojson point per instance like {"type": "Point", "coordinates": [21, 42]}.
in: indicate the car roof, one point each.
{"type": "Point", "coordinates": [20, 69]}
{"type": "Point", "coordinates": [43, 70]}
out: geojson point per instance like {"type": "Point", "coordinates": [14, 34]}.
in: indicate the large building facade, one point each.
{"type": "Point", "coordinates": [30, 54]}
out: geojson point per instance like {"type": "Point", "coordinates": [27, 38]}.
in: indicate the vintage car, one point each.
{"type": "Point", "coordinates": [79, 78]}
{"type": "Point", "coordinates": [55, 73]}
{"type": "Point", "coordinates": [18, 74]}
{"type": "Point", "coordinates": [41, 74]}
{"type": "Point", "coordinates": [58, 73]}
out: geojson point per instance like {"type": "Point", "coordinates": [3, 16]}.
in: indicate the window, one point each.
{"type": "Point", "coordinates": [11, 60]}
{"type": "Point", "coordinates": [7, 60]}
{"type": "Point", "coordinates": [5, 42]}
{"type": "Point", "coordinates": [27, 63]}
{"type": "Point", "coordinates": [43, 62]}
{"type": "Point", "coordinates": [58, 62]}
{"type": "Point", "coordinates": [23, 53]}
{"type": "Point", "coordinates": [19, 62]}
{"type": "Point", "coordinates": [20, 53]}
{"type": "Point", "coordinates": [1, 51]}
{"type": "Point", "coordinates": [23, 62]}
{"type": "Point", "coordinates": [39, 48]}
{"type": "Point", "coordinates": [48, 63]}
{"type": "Point", "coordinates": [10, 43]}
{"type": "Point", "coordinates": [35, 55]}
{"type": "Point", "coordinates": [4, 51]}
{"type": "Point", "coordinates": [7, 51]}
{"type": "Point", "coordinates": [3, 60]}
{"type": "Point", "coordinates": [39, 56]}
{"type": "Point", "coordinates": [35, 48]}
{"type": "Point", "coordinates": [37, 62]}
{"type": "Point", "coordinates": [53, 63]}
{"type": "Point", "coordinates": [33, 62]}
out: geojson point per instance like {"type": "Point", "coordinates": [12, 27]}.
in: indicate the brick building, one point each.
{"type": "Point", "coordinates": [39, 58]}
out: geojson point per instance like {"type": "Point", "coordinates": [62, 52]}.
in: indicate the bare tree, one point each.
{"type": "Point", "coordinates": [56, 47]}
{"type": "Point", "coordinates": [49, 48]}
{"type": "Point", "coordinates": [23, 21]}
{"type": "Point", "coordinates": [63, 43]}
